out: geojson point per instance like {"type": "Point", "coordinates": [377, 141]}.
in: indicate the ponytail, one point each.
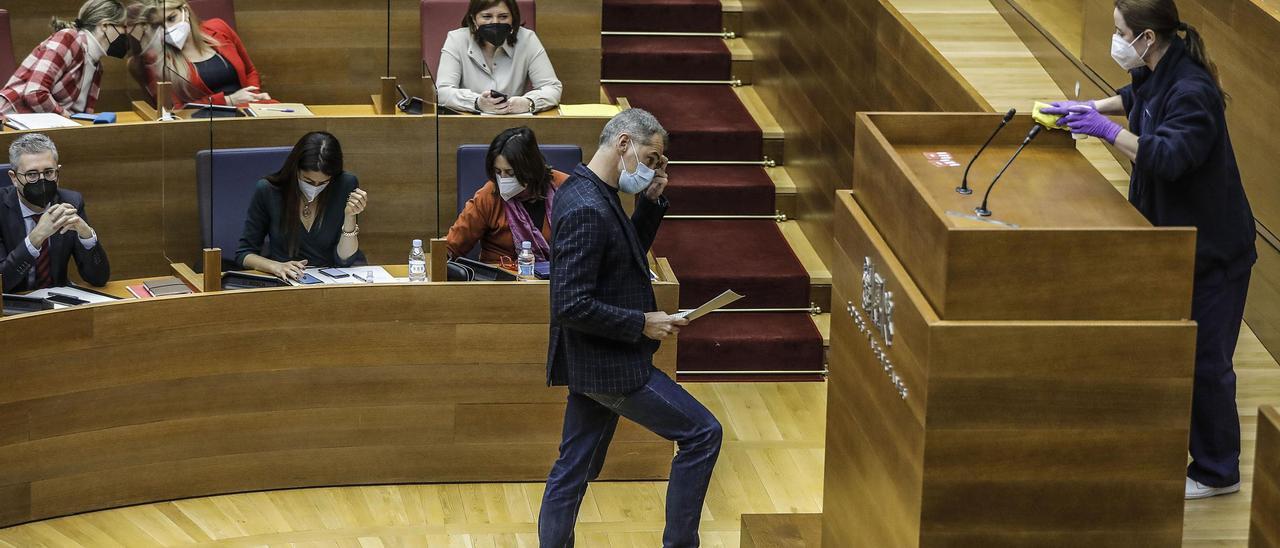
{"type": "Point", "coordinates": [1196, 48]}
{"type": "Point", "coordinates": [60, 24]}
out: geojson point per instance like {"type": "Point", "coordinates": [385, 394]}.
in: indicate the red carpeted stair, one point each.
{"type": "Point", "coordinates": [720, 190]}
{"type": "Point", "coordinates": [708, 123]}
{"type": "Point", "coordinates": [667, 58]}
{"type": "Point", "coordinates": [748, 256]}
{"type": "Point", "coordinates": [662, 15]}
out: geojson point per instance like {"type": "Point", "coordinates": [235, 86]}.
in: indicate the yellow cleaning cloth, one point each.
{"type": "Point", "coordinates": [1049, 121]}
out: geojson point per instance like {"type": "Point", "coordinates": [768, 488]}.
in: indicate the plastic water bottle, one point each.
{"type": "Point", "coordinates": [417, 263]}
{"type": "Point", "coordinates": [525, 261]}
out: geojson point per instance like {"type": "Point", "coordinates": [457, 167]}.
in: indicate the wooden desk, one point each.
{"type": "Point", "coordinates": [148, 400]}
{"type": "Point", "coordinates": [1264, 527]}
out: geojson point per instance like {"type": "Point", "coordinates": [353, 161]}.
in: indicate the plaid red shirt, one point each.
{"type": "Point", "coordinates": [49, 78]}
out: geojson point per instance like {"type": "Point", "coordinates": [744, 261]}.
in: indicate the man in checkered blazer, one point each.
{"type": "Point", "coordinates": [605, 327]}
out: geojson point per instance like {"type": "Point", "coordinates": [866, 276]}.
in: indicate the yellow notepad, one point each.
{"type": "Point", "coordinates": [603, 111]}
{"type": "Point", "coordinates": [279, 110]}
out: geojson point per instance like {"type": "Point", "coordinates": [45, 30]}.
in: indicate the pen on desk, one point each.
{"type": "Point", "coordinates": [278, 109]}
{"type": "Point", "coordinates": [362, 278]}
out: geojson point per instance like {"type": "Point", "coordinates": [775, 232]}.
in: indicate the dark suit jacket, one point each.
{"type": "Point", "coordinates": [16, 261]}
{"type": "Point", "coordinates": [600, 288]}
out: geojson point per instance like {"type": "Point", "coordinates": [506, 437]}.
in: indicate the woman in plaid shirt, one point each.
{"type": "Point", "coordinates": [62, 74]}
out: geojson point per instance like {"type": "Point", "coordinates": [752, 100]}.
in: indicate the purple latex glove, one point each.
{"type": "Point", "coordinates": [1088, 121]}
{"type": "Point", "coordinates": [1062, 108]}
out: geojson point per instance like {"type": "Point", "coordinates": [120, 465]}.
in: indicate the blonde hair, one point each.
{"type": "Point", "coordinates": [152, 13]}
{"type": "Point", "coordinates": [92, 14]}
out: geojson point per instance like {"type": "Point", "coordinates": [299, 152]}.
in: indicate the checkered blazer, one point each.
{"type": "Point", "coordinates": [49, 78]}
{"type": "Point", "coordinates": [600, 288]}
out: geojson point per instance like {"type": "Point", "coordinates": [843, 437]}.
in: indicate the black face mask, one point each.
{"type": "Point", "coordinates": [119, 46]}
{"type": "Point", "coordinates": [42, 193]}
{"type": "Point", "coordinates": [494, 33]}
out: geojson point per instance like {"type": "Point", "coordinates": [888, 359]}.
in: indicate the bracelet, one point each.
{"type": "Point", "coordinates": [353, 233]}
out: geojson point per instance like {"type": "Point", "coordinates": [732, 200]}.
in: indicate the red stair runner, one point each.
{"type": "Point", "coordinates": [750, 257]}
{"type": "Point", "coordinates": [720, 190]}
{"type": "Point", "coordinates": [706, 122]}
{"type": "Point", "coordinates": [665, 58]}
{"type": "Point", "coordinates": [662, 15]}
{"type": "Point", "coordinates": [750, 341]}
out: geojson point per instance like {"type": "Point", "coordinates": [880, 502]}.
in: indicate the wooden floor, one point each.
{"type": "Point", "coordinates": [771, 463]}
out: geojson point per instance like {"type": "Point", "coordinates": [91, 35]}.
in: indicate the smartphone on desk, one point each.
{"type": "Point", "coordinates": [65, 299]}
{"type": "Point", "coordinates": [335, 273]}
{"type": "Point", "coordinates": [308, 279]}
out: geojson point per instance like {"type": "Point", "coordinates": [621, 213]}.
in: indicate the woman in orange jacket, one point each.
{"type": "Point", "coordinates": [516, 208]}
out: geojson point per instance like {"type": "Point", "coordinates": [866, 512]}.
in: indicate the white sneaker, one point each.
{"type": "Point", "coordinates": [1197, 490]}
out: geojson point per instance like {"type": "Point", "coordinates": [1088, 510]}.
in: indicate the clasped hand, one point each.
{"type": "Point", "coordinates": [58, 219]}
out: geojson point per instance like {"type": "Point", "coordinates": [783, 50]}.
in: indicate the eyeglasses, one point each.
{"type": "Point", "coordinates": [33, 176]}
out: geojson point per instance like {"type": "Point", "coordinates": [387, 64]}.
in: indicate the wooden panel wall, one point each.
{"type": "Point", "coordinates": [334, 51]}
{"type": "Point", "coordinates": [814, 87]}
{"type": "Point", "coordinates": [1241, 36]}
{"type": "Point", "coordinates": [1264, 527]}
{"type": "Point", "coordinates": [145, 401]}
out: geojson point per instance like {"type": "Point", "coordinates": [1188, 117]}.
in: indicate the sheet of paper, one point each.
{"type": "Point", "coordinates": [724, 299]}
{"type": "Point", "coordinates": [355, 275]}
{"type": "Point", "coordinates": [592, 110]}
{"type": "Point", "coordinates": [71, 292]}
{"type": "Point", "coordinates": [38, 120]}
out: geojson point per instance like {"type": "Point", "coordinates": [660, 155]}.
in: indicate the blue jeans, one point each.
{"type": "Point", "coordinates": [664, 408]}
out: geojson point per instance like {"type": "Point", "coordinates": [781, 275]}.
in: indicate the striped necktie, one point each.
{"type": "Point", "coordinates": [44, 277]}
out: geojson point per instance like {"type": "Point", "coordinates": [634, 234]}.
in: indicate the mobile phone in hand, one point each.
{"type": "Point", "coordinates": [498, 95]}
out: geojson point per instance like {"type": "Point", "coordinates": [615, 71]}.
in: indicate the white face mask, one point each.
{"type": "Point", "coordinates": [509, 187]}
{"type": "Point", "coordinates": [1125, 54]}
{"type": "Point", "coordinates": [635, 182]}
{"type": "Point", "coordinates": [311, 191]}
{"type": "Point", "coordinates": [177, 35]}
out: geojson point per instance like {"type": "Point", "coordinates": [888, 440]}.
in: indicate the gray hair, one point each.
{"type": "Point", "coordinates": [31, 143]}
{"type": "Point", "coordinates": [637, 123]}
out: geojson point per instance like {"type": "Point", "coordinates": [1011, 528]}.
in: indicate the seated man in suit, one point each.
{"type": "Point", "coordinates": [42, 226]}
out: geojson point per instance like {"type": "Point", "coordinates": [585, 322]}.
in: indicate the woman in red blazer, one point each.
{"type": "Point", "coordinates": [206, 61]}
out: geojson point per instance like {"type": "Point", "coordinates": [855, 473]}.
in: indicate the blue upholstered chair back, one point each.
{"type": "Point", "coordinates": [225, 181]}
{"type": "Point", "coordinates": [4, 176]}
{"type": "Point", "coordinates": [471, 175]}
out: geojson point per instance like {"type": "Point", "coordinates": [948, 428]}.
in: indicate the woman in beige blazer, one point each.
{"type": "Point", "coordinates": [494, 66]}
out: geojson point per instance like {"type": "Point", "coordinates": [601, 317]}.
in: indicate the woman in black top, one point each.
{"type": "Point", "coordinates": [306, 212]}
{"type": "Point", "coordinates": [1185, 174]}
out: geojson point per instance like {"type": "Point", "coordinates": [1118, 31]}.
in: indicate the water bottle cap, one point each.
{"type": "Point", "coordinates": [417, 243]}
{"type": "Point", "coordinates": [526, 245]}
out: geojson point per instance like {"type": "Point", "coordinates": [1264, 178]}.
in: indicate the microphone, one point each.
{"type": "Point", "coordinates": [964, 184]}
{"type": "Point", "coordinates": [982, 209]}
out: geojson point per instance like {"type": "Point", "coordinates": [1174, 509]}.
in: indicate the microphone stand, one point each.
{"type": "Point", "coordinates": [982, 209]}
{"type": "Point", "coordinates": [964, 183]}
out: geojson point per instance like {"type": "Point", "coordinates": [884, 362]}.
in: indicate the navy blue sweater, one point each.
{"type": "Point", "coordinates": [1186, 172]}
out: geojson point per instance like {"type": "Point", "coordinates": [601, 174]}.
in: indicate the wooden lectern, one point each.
{"type": "Point", "coordinates": [1022, 379]}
